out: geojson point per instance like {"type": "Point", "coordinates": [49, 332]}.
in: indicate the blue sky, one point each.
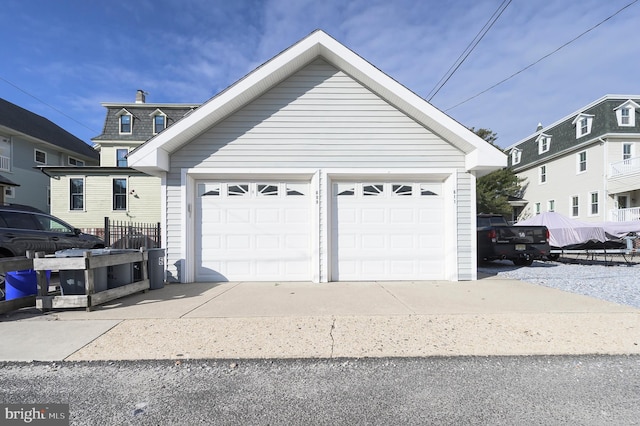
{"type": "Point", "coordinates": [74, 55]}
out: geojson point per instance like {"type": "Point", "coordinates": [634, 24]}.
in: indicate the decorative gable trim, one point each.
{"type": "Point", "coordinates": [626, 113]}
{"type": "Point", "coordinates": [583, 123]}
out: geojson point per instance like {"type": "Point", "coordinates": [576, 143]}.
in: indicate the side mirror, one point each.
{"type": "Point", "coordinates": [77, 231]}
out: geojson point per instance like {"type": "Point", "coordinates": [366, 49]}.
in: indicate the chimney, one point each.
{"type": "Point", "coordinates": [140, 96]}
{"type": "Point", "coordinates": [537, 129]}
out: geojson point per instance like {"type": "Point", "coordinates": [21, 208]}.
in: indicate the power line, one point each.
{"type": "Point", "coordinates": [43, 102]}
{"type": "Point", "coordinates": [472, 45]}
{"type": "Point", "coordinates": [542, 58]}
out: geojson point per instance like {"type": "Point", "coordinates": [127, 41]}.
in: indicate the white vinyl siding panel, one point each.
{"type": "Point", "coordinates": [466, 226]}
{"type": "Point", "coordinates": [320, 117]}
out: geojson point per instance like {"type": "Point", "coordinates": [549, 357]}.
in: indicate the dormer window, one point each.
{"type": "Point", "coordinates": [516, 156]}
{"type": "Point", "coordinates": [159, 121]}
{"type": "Point", "coordinates": [626, 113]}
{"type": "Point", "coordinates": [583, 123]}
{"type": "Point", "coordinates": [544, 143]}
{"type": "Point", "coordinates": [125, 120]}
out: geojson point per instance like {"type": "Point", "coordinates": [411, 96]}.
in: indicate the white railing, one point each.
{"type": "Point", "coordinates": [625, 167]}
{"type": "Point", "coordinates": [625, 215]}
{"type": "Point", "coordinates": [5, 164]}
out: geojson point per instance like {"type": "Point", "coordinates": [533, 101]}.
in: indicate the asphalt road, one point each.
{"type": "Point", "coordinates": [583, 390]}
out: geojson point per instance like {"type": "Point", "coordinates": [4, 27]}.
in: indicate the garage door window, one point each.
{"type": "Point", "coordinates": [267, 190]}
{"type": "Point", "coordinates": [241, 190]}
{"type": "Point", "coordinates": [375, 189]}
{"type": "Point", "coordinates": [428, 189]}
{"type": "Point", "coordinates": [402, 189]}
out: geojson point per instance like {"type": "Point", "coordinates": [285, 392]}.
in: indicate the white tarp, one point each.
{"type": "Point", "coordinates": [620, 229]}
{"type": "Point", "coordinates": [564, 231]}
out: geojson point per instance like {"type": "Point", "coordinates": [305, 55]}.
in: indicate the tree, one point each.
{"type": "Point", "coordinates": [485, 134]}
{"type": "Point", "coordinates": [493, 190]}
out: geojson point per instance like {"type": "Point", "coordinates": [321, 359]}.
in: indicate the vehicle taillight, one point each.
{"type": "Point", "coordinates": [548, 234]}
{"type": "Point", "coordinates": [492, 235]}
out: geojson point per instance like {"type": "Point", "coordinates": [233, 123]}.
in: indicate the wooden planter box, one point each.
{"type": "Point", "coordinates": [9, 264]}
{"type": "Point", "coordinates": [89, 264]}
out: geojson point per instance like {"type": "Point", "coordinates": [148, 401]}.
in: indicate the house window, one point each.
{"type": "Point", "coordinates": [551, 205]}
{"type": "Point", "coordinates": [40, 157]}
{"type": "Point", "coordinates": [125, 123]}
{"type": "Point", "coordinates": [583, 123]}
{"type": "Point", "coordinates": [537, 208]}
{"type": "Point", "coordinates": [121, 157]}
{"type": "Point", "coordinates": [76, 194]}
{"type": "Point", "coordinates": [9, 192]}
{"type": "Point", "coordinates": [584, 126]}
{"type": "Point", "coordinates": [159, 123]}
{"type": "Point", "coordinates": [582, 161]}
{"type": "Point", "coordinates": [75, 162]}
{"type": "Point", "coordinates": [543, 174]}
{"type": "Point", "coordinates": [544, 143]}
{"type": "Point", "coordinates": [119, 194]}
{"type": "Point", "coordinates": [516, 156]}
{"type": "Point", "coordinates": [625, 117]}
{"type": "Point", "coordinates": [594, 203]}
{"type": "Point", "coordinates": [627, 151]}
{"type": "Point", "coordinates": [575, 206]}
{"type": "Point", "coordinates": [626, 113]}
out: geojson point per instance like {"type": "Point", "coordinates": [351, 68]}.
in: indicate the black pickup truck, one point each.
{"type": "Point", "coordinates": [520, 244]}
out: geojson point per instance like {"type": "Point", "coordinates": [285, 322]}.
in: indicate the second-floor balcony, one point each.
{"type": "Point", "coordinates": [5, 164]}
{"type": "Point", "coordinates": [625, 167]}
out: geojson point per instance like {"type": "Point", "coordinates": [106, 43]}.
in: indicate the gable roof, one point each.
{"type": "Point", "coordinates": [20, 120]}
{"type": "Point", "coordinates": [153, 156]}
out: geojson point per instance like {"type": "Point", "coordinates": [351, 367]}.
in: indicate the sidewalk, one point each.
{"type": "Point", "coordinates": [491, 316]}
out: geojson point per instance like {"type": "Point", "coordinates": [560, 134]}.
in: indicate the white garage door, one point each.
{"type": "Point", "coordinates": [387, 231]}
{"type": "Point", "coordinates": [258, 231]}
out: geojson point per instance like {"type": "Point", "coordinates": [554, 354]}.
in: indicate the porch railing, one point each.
{"type": "Point", "coordinates": [5, 164]}
{"type": "Point", "coordinates": [625, 167]}
{"type": "Point", "coordinates": [625, 215]}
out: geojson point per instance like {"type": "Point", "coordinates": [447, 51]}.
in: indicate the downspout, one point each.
{"type": "Point", "coordinates": [605, 176]}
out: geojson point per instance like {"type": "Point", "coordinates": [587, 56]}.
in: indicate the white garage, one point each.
{"type": "Point", "coordinates": [318, 167]}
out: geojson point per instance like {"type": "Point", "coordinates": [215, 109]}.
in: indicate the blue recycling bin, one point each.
{"type": "Point", "coordinates": [22, 283]}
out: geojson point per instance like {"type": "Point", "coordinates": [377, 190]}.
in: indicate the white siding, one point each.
{"type": "Point", "coordinates": [564, 181]}
{"type": "Point", "coordinates": [319, 118]}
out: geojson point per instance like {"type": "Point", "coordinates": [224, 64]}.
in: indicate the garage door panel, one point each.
{"type": "Point", "coordinates": [253, 231]}
{"type": "Point", "coordinates": [396, 234]}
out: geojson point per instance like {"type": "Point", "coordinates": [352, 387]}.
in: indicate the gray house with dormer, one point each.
{"type": "Point", "coordinates": [28, 141]}
{"type": "Point", "coordinates": [585, 165]}
{"type": "Point", "coordinates": [112, 189]}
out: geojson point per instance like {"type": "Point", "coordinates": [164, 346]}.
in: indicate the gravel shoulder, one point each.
{"type": "Point", "coordinates": [613, 279]}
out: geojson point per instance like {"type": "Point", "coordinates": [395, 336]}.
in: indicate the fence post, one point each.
{"type": "Point", "coordinates": [107, 232]}
{"type": "Point", "coordinates": [158, 235]}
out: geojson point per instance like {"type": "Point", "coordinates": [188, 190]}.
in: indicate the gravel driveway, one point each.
{"type": "Point", "coordinates": [615, 281]}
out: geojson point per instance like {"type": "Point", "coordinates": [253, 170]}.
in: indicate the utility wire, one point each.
{"type": "Point", "coordinates": [43, 102]}
{"type": "Point", "coordinates": [543, 58]}
{"type": "Point", "coordinates": [472, 45]}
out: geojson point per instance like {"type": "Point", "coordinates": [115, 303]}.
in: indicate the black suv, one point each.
{"type": "Point", "coordinates": [23, 228]}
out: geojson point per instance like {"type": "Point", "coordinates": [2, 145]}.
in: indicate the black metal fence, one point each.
{"type": "Point", "coordinates": [128, 235]}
